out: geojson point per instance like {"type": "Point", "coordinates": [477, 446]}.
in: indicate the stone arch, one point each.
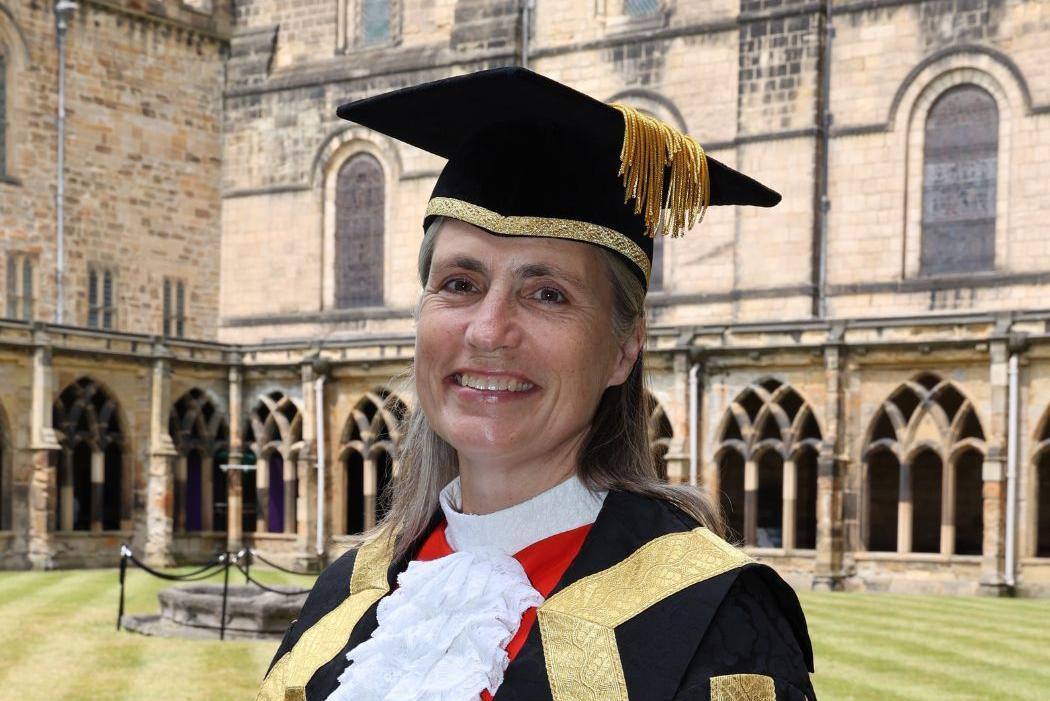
{"type": "Point", "coordinates": [368, 449]}
{"type": "Point", "coordinates": [274, 437]}
{"type": "Point", "coordinates": [772, 427]}
{"type": "Point", "coordinates": [926, 435]}
{"type": "Point", "coordinates": [908, 118]}
{"type": "Point", "coordinates": [337, 150]}
{"type": "Point", "coordinates": [200, 432]}
{"type": "Point", "coordinates": [94, 475]}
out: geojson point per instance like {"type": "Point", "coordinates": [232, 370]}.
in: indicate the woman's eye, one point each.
{"type": "Point", "coordinates": [459, 286]}
{"type": "Point", "coordinates": [550, 295]}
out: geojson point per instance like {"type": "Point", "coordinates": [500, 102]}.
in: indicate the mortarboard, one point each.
{"type": "Point", "coordinates": [528, 156]}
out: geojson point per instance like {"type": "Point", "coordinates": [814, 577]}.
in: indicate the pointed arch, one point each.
{"type": "Point", "coordinates": [368, 450]}
{"type": "Point", "coordinates": [200, 432]}
{"type": "Point", "coordinates": [275, 439]}
{"type": "Point", "coordinates": [927, 437]}
{"type": "Point", "coordinates": [6, 473]}
{"type": "Point", "coordinates": [774, 430]}
{"type": "Point", "coordinates": [94, 481]}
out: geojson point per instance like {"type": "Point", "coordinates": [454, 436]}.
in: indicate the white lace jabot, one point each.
{"type": "Point", "coordinates": [561, 508]}
{"type": "Point", "coordinates": [443, 633]}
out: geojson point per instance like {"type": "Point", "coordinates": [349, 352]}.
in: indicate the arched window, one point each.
{"type": "Point", "coordinates": [960, 161]}
{"type": "Point", "coordinates": [275, 439]}
{"type": "Point", "coordinates": [368, 453]}
{"type": "Point", "coordinates": [1041, 475]}
{"type": "Point", "coordinates": [660, 435]}
{"type": "Point", "coordinates": [375, 24]}
{"type": "Point", "coordinates": [927, 502]}
{"type": "Point", "coordinates": [93, 489]}
{"type": "Point", "coordinates": [359, 206]}
{"type": "Point", "coordinates": [200, 433]}
{"type": "Point", "coordinates": [770, 438]}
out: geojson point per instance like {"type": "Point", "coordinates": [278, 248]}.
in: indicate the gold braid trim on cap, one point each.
{"type": "Point", "coordinates": [743, 687]}
{"type": "Point", "coordinates": [649, 146]}
{"type": "Point", "coordinates": [578, 624]}
{"type": "Point", "coordinates": [325, 639]}
{"type": "Point", "coordinates": [544, 227]}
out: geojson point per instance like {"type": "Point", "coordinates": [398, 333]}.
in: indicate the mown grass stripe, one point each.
{"type": "Point", "coordinates": [944, 662]}
{"type": "Point", "coordinates": [1012, 610]}
{"type": "Point", "coordinates": [943, 611]}
{"type": "Point", "coordinates": [1031, 631]}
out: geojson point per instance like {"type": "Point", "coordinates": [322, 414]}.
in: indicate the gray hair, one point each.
{"type": "Point", "coordinates": [616, 454]}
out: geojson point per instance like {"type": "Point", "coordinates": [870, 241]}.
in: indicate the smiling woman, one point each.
{"type": "Point", "coordinates": [530, 551]}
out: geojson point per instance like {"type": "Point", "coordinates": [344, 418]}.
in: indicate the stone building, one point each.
{"type": "Point", "coordinates": [862, 373]}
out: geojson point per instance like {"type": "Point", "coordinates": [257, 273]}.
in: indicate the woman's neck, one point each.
{"type": "Point", "coordinates": [490, 485]}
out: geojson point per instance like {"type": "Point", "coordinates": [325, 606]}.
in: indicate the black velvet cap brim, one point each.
{"type": "Point", "coordinates": [522, 145]}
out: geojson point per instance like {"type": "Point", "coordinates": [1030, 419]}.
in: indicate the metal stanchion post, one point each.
{"type": "Point", "coordinates": [123, 572]}
{"type": "Point", "coordinates": [225, 592]}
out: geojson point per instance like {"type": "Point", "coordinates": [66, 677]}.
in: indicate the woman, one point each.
{"type": "Point", "coordinates": [530, 551]}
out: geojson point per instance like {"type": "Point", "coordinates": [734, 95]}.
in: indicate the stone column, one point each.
{"type": "Point", "coordinates": [948, 507]}
{"type": "Point", "coordinates": [234, 487]}
{"type": "Point", "coordinates": [42, 441]}
{"type": "Point", "coordinates": [828, 568]}
{"type": "Point", "coordinates": [262, 494]}
{"type": "Point", "coordinates": [788, 491]}
{"type": "Point", "coordinates": [207, 493]}
{"type": "Point", "coordinates": [179, 494]}
{"type": "Point", "coordinates": [306, 472]}
{"type": "Point", "coordinates": [904, 509]}
{"type": "Point", "coordinates": [993, 551]}
{"type": "Point", "coordinates": [159, 481]}
{"type": "Point", "coordinates": [98, 487]}
{"type": "Point", "coordinates": [750, 502]}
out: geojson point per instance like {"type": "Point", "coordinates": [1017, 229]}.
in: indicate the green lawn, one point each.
{"type": "Point", "coordinates": [58, 642]}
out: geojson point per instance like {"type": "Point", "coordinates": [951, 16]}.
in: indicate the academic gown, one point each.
{"type": "Point", "coordinates": [652, 608]}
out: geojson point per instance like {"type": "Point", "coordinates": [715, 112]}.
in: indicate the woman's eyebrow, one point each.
{"type": "Point", "coordinates": [465, 262]}
{"type": "Point", "coordinates": [545, 270]}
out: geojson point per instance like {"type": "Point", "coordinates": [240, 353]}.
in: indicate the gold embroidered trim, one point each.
{"type": "Point", "coordinates": [577, 625]}
{"type": "Point", "coordinates": [649, 147]}
{"type": "Point", "coordinates": [326, 638]}
{"type": "Point", "coordinates": [743, 687]}
{"type": "Point", "coordinates": [547, 227]}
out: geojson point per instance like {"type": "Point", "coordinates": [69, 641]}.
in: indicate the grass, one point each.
{"type": "Point", "coordinates": [58, 641]}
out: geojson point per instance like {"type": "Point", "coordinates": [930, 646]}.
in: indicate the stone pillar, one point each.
{"type": "Point", "coordinates": [65, 490]}
{"type": "Point", "coordinates": [262, 494]}
{"type": "Point", "coordinates": [207, 493]}
{"type": "Point", "coordinates": [369, 487]}
{"type": "Point", "coordinates": [948, 507]}
{"type": "Point", "coordinates": [42, 441]}
{"type": "Point", "coordinates": [828, 569]}
{"type": "Point", "coordinates": [750, 502]}
{"type": "Point", "coordinates": [98, 488]}
{"type": "Point", "coordinates": [159, 480]}
{"type": "Point", "coordinates": [904, 509]}
{"type": "Point", "coordinates": [179, 494]}
{"type": "Point", "coordinates": [993, 551]}
{"type": "Point", "coordinates": [306, 472]}
{"type": "Point", "coordinates": [788, 486]}
{"type": "Point", "coordinates": [234, 488]}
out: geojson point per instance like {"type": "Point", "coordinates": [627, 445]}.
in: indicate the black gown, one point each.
{"type": "Point", "coordinates": [652, 608]}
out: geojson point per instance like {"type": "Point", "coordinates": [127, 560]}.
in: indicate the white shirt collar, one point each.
{"type": "Point", "coordinates": [561, 508]}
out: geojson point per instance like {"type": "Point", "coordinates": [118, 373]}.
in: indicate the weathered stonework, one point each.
{"type": "Point", "coordinates": [204, 146]}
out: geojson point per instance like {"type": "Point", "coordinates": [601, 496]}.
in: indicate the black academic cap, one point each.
{"type": "Point", "coordinates": [528, 156]}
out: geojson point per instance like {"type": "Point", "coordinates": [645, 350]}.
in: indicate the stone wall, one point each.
{"type": "Point", "coordinates": [143, 155]}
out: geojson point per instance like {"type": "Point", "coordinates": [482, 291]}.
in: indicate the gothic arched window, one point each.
{"type": "Point", "coordinates": [359, 206]}
{"type": "Point", "coordinates": [960, 162]}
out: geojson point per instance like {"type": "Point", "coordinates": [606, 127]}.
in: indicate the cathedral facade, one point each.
{"type": "Point", "coordinates": [207, 327]}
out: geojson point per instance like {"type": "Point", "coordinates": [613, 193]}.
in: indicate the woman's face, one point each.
{"type": "Point", "coordinates": [514, 345]}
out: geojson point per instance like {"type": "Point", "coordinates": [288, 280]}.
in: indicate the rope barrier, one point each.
{"type": "Point", "coordinates": [255, 555]}
{"type": "Point", "coordinates": [222, 562]}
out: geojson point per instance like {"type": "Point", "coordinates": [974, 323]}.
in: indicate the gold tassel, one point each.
{"type": "Point", "coordinates": [650, 146]}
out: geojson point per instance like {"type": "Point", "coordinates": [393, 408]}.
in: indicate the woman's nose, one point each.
{"type": "Point", "coordinates": [493, 325]}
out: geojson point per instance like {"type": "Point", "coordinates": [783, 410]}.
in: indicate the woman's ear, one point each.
{"type": "Point", "coordinates": [627, 354]}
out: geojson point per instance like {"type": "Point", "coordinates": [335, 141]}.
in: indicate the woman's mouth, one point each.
{"type": "Point", "coordinates": [492, 383]}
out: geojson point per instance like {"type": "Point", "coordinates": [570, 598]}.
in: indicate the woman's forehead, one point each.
{"type": "Point", "coordinates": [465, 245]}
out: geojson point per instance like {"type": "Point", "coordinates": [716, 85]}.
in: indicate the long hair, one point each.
{"type": "Point", "coordinates": [616, 454]}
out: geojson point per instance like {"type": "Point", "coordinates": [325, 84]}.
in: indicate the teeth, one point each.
{"type": "Point", "coordinates": [493, 384]}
